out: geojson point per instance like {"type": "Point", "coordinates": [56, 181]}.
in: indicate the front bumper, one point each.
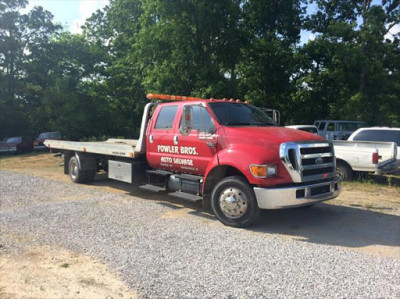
{"type": "Point", "coordinates": [296, 196]}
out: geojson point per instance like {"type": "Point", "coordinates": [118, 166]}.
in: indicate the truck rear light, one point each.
{"type": "Point", "coordinates": [375, 157]}
{"type": "Point", "coordinates": [262, 171]}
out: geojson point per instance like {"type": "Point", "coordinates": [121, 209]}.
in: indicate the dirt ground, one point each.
{"type": "Point", "coordinates": [368, 208]}
{"type": "Point", "coordinates": [47, 272]}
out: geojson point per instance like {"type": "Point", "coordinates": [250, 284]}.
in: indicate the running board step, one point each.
{"type": "Point", "coordinates": [159, 172]}
{"type": "Point", "coordinates": [153, 188]}
{"type": "Point", "coordinates": [186, 196]}
{"type": "Point", "coordinates": [189, 177]}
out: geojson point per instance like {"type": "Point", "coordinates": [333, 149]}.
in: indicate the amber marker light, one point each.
{"type": "Point", "coordinates": [262, 171]}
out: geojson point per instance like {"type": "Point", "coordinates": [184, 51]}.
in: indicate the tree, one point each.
{"type": "Point", "coordinates": [350, 71]}
{"type": "Point", "coordinates": [22, 39]}
{"type": "Point", "coordinates": [272, 30]}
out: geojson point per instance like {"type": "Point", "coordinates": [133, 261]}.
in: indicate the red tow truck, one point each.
{"type": "Point", "coordinates": [226, 153]}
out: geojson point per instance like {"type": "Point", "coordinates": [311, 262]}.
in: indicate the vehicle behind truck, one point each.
{"type": "Point", "coordinates": [224, 153]}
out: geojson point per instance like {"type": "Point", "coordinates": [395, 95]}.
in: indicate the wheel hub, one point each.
{"type": "Point", "coordinates": [74, 170]}
{"type": "Point", "coordinates": [233, 202]}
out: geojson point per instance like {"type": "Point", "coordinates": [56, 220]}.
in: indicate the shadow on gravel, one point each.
{"type": "Point", "coordinates": [321, 224]}
{"type": "Point", "coordinates": [333, 225]}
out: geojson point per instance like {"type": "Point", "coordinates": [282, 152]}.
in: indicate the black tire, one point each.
{"type": "Point", "coordinates": [242, 210]}
{"type": "Point", "coordinates": [344, 172]}
{"type": "Point", "coordinates": [75, 173]}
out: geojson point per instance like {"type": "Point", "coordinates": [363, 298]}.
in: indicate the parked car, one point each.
{"type": "Point", "coordinates": [38, 144]}
{"type": "Point", "coordinates": [16, 145]}
{"type": "Point", "coordinates": [383, 134]}
{"type": "Point", "coordinates": [337, 129]}
{"type": "Point", "coordinates": [306, 128]}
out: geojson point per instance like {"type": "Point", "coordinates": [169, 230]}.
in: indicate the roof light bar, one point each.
{"type": "Point", "coordinates": [166, 97]}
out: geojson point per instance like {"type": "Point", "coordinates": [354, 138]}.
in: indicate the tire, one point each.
{"type": "Point", "coordinates": [344, 172]}
{"type": "Point", "coordinates": [75, 173]}
{"type": "Point", "coordinates": [234, 203]}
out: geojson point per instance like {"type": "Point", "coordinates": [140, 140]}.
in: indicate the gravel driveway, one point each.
{"type": "Point", "coordinates": [164, 249]}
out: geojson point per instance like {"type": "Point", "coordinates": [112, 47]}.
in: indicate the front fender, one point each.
{"type": "Point", "coordinates": [241, 157]}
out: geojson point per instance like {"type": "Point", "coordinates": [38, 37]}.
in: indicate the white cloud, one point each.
{"type": "Point", "coordinates": [86, 9]}
{"type": "Point", "coordinates": [393, 31]}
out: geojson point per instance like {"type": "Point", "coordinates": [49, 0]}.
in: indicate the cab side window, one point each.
{"type": "Point", "coordinates": [201, 119]}
{"type": "Point", "coordinates": [321, 126]}
{"type": "Point", "coordinates": [166, 117]}
{"type": "Point", "coordinates": [331, 127]}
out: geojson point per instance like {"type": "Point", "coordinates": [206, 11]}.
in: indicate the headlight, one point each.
{"type": "Point", "coordinates": [263, 171]}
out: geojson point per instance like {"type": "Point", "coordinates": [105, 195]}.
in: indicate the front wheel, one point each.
{"type": "Point", "coordinates": [234, 203]}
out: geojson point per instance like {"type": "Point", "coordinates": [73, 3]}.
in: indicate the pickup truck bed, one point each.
{"type": "Point", "coordinates": [112, 147]}
{"type": "Point", "coordinates": [358, 154]}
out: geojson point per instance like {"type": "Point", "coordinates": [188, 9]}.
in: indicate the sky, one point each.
{"type": "Point", "coordinates": [73, 13]}
{"type": "Point", "coordinates": [70, 13]}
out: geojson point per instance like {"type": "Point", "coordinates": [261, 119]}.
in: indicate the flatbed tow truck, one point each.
{"type": "Point", "coordinates": [222, 152]}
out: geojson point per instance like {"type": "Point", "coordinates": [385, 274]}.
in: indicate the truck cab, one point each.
{"type": "Point", "coordinates": [224, 140]}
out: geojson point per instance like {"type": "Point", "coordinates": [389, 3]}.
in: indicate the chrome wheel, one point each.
{"type": "Point", "coordinates": [233, 203]}
{"type": "Point", "coordinates": [73, 169]}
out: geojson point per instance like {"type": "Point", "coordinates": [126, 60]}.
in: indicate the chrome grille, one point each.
{"type": "Point", "coordinates": [308, 161]}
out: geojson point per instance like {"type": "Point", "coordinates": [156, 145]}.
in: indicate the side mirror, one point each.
{"type": "Point", "coordinates": [187, 120]}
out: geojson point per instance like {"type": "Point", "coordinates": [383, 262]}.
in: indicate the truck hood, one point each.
{"type": "Point", "coordinates": [266, 136]}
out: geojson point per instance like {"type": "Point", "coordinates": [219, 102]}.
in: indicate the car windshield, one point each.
{"type": "Point", "coordinates": [349, 126]}
{"type": "Point", "coordinates": [240, 114]}
{"type": "Point", "coordinates": [309, 129]}
{"type": "Point", "coordinates": [49, 135]}
{"type": "Point", "coordinates": [14, 140]}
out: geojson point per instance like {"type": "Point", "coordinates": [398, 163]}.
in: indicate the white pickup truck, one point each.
{"type": "Point", "coordinates": [360, 154]}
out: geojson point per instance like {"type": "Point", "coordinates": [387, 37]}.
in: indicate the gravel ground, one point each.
{"type": "Point", "coordinates": [192, 256]}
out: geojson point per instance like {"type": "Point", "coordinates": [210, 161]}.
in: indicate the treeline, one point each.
{"type": "Point", "coordinates": [94, 83]}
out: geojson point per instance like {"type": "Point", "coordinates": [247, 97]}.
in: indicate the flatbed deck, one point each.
{"type": "Point", "coordinates": [112, 147]}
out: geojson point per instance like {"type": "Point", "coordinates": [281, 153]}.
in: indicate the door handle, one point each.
{"type": "Point", "coordinates": [151, 138]}
{"type": "Point", "coordinates": [175, 140]}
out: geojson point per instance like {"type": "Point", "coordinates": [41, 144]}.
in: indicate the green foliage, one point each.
{"type": "Point", "coordinates": [94, 83]}
{"type": "Point", "coordinates": [351, 69]}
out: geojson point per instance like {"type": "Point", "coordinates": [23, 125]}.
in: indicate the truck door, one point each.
{"type": "Point", "coordinates": [196, 139]}
{"type": "Point", "coordinates": [160, 139]}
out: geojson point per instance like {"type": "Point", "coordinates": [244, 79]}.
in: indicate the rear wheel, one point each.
{"type": "Point", "coordinates": [234, 203]}
{"type": "Point", "coordinates": [344, 172]}
{"type": "Point", "coordinates": [75, 173]}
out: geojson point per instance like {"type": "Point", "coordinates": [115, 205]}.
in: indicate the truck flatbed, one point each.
{"type": "Point", "coordinates": [112, 147]}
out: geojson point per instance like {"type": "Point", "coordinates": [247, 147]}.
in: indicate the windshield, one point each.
{"type": "Point", "coordinates": [14, 140]}
{"type": "Point", "coordinates": [349, 126]}
{"type": "Point", "coordinates": [309, 129]}
{"type": "Point", "coordinates": [49, 135]}
{"type": "Point", "coordinates": [240, 114]}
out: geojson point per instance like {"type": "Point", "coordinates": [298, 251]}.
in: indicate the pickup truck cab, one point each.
{"type": "Point", "coordinates": [378, 134]}
{"type": "Point", "coordinates": [223, 152]}
{"type": "Point", "coordinates": [337, 129]}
